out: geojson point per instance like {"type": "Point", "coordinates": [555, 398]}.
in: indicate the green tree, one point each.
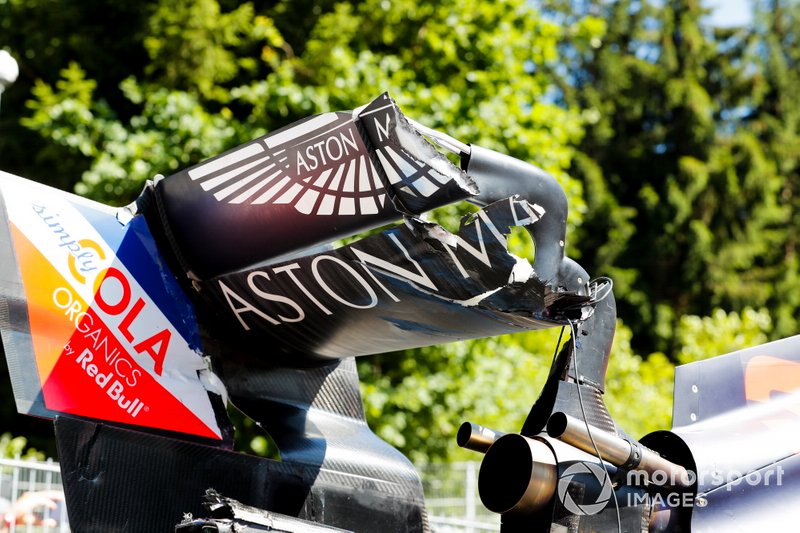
{"type": "Point", "coordinates": [774, 119]}
{"type": "Point", "coordinates": [17, 447]}
{"type": "Point", "coordinates": [720, 333]}
{"type": "Point", "coordinates": [685, 205]}
{"type": "Point", "coordinates": [44, 36]}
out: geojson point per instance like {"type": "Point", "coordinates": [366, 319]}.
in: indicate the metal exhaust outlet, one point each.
{"type": "Point", "coordinates": [476, 438]}
{"type": "Point", "coordinates": [518, 475]}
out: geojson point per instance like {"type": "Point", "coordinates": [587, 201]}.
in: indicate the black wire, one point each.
{"type": "Point", "coordinates": [588, 428]}
{"type": "Point", "coordinates": [558, 347]}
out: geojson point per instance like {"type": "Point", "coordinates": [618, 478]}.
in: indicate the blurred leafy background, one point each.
{"type": "Point", "coordinates": [676, 141]}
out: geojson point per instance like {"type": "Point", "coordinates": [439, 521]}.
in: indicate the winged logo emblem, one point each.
{"type": "Point", "coordinates": [320, 167]}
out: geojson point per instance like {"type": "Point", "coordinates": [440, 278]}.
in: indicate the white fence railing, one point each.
{"type": "Point", "coordinates": [451, 495]}
{"type": "Point", "coordinates": [31, 497]}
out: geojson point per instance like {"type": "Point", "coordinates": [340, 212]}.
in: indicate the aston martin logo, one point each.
{"type": "Point", "coordinates": [319, 166]}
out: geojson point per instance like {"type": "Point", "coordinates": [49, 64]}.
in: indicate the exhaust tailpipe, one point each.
{"type": "Point", "coordinates": [619, 452]}
{"type": "Point", "coordinates": [475, 437]}
{"type": "Point", "coordinates": [518, 475]}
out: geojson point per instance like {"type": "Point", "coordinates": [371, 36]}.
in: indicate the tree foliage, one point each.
{"type": "Point", "coordinates": [17, 447]}
{"type": "Point", "coordinates": [688, 205]}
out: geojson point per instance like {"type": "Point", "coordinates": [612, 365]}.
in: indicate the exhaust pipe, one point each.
{"type": "Point", "coordinates": [476, 438]}
{"type": "Point", "coordinates": [518, 475]}
{"type": "Point", "coordinates": [616, 450]}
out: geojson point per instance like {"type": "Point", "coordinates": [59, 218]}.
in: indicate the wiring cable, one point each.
{"type": "Point", "coordinates": [607, 478]}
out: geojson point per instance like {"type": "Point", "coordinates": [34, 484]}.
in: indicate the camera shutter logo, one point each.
{"type": "Point", "coordinates": [588, 470]}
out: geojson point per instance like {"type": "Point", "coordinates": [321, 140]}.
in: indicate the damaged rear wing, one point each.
{"type": "Point", "coordinates": [251, 260]}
